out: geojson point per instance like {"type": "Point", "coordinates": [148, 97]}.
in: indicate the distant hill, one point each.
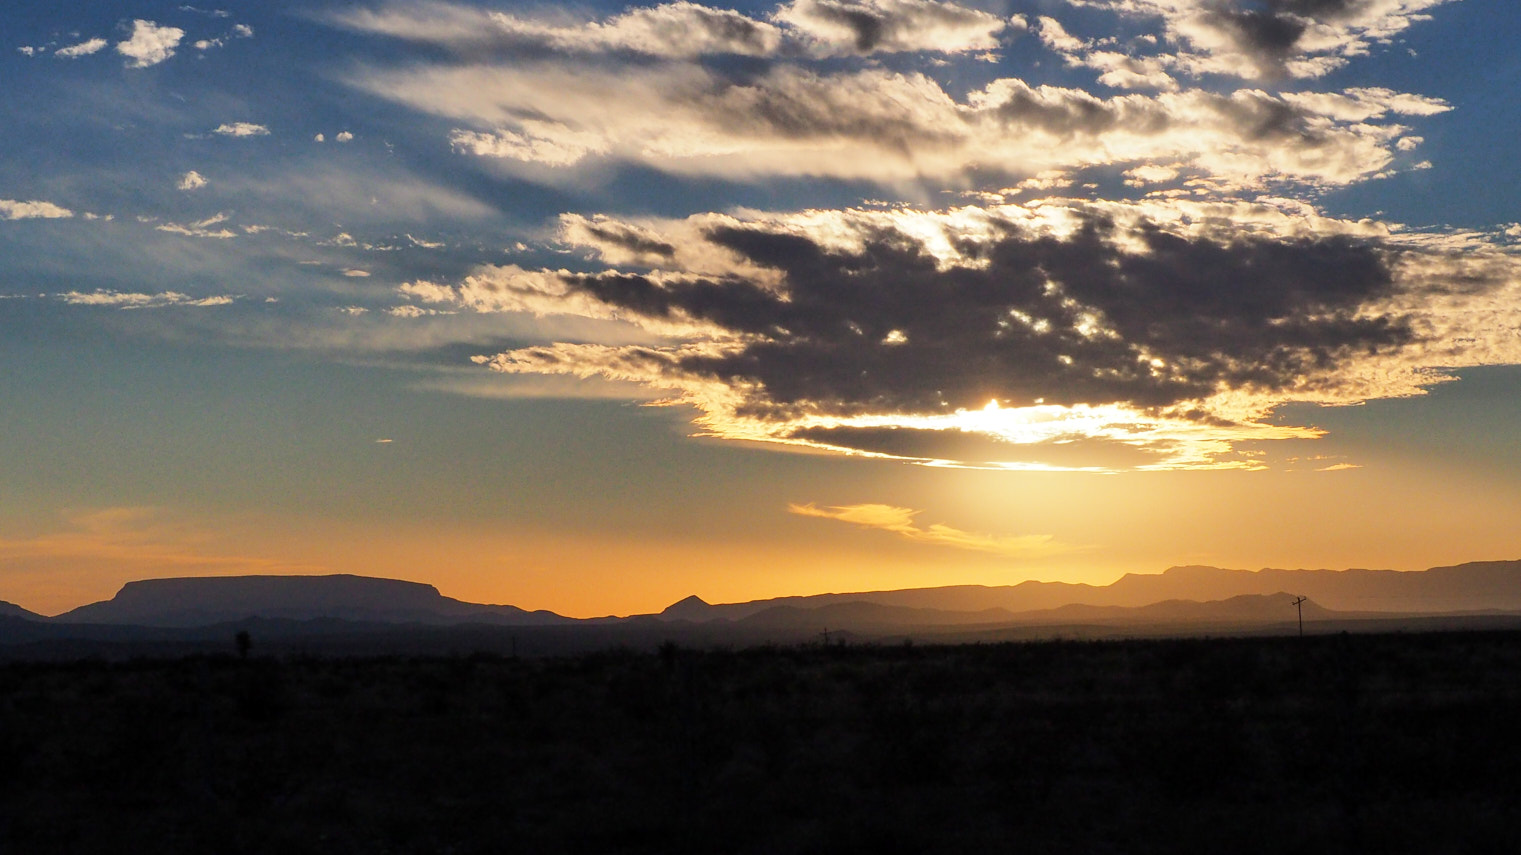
{"type": "Point", "coordinates": [1253, 609]}
{"type": "Point", "coordinates": [1493, 586]}
{"type": "Point", "coordinates": [219, 599]}
{"type": "Point", "coordinates": [13, 610]}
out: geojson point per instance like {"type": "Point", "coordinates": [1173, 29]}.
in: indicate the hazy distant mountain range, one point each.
{"type": "Point", "coordinates": [1181, 600]}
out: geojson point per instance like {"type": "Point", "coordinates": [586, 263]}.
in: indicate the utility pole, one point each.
{"type": "Point", "coordinates": [1299, 606]}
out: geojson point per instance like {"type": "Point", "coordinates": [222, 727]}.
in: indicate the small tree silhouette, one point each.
{"type": "Point", "coordinates": [244, 641]}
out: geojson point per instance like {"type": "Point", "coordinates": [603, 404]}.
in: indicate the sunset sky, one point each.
{"type": "Point", "coordinates": [589, 307]}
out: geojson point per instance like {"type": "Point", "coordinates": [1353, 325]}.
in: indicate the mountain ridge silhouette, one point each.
{"type": "Point", "coordinates": [1182, 594]}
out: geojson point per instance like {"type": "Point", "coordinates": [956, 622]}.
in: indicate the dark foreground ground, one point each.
{"type": "Point", "coordinates": [1363, 743]}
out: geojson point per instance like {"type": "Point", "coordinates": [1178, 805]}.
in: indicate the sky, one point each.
{"type": "Point", "coordinates": [590, 307]}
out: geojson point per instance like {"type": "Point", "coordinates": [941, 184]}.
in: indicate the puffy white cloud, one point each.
{"type": "Point", "coordinates": [11, 209]}
{"type": "Point", "coordinates": [241, 129]}
{"type": "Point", "coordinates": [84, 48]}
{"type": "Point", "coordinates": [192, 180]}
{"type": "Point", "coordinates": [343, 136]}
{"type": "Point", "coordinates": [149, 44]}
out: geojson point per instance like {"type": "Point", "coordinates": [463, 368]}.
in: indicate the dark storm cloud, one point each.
{"type": "Point", "coordinates": [1144, 318]}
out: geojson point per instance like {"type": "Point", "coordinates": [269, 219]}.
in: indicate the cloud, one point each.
{"type": "Point", "coordinates": [132, 300]}
{"type": "Point", "coordinates": [1269, 39]}
{"type": "Point", "coordinates": [192, 180]}
{"type": "Point", "coordinates": [201, 228]}
{"type": "Point", "coordinates": [1119, 70]}
{"type": "Point", "coordinates": [881, 125]}
{"type": "Point", "coordinates": [241, 129]}
{"type": "Point", "coordinates": [673, 29]}
{"type": "Point", "coordinates": [149, 44]}
{"type": "Point", "coordinates": [11, 209]}
{"type": "Point", "coordinates": [343, 136]}
{"type": "Point", "coordinates": [891, 26]}
{"type": "Point", "coordinates": [1172, 327]}
{"type": "Point", "coordinates": [84, 48]}
{"type": "Point", "coordinates": [900, 521]}
{"type": "Point", "coordinates": [689, 30]}
{"type": "Point", "coordinates": [548, 143]}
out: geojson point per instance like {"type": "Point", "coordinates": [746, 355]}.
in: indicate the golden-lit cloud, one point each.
{"type": "Point", "coordinates": [1260, 40]}
{"type": "Point", "coordinates": [900, 521]}
{"type": "Point", "coordinates": [1159, 334]}
{"type": "Point", "coordinates": [875, 124]}
{"type": "Point", "coordinates": [142, 300]}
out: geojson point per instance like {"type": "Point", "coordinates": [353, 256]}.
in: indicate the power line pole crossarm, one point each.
{"type": "Point", "coordinates": [1299, 606]}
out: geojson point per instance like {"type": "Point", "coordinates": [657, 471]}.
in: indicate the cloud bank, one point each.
{"type": "Point", "coordinates": [1158, 334]}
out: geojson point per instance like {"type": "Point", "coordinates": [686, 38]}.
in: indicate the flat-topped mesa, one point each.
{"type": "Point", "coordinates": [193, 601]}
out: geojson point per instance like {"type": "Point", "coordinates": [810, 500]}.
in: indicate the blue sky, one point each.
{"type": "Point", "coordinates": [590, 307]}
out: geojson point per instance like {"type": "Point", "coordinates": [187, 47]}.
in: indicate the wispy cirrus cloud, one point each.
{"type": "Point", "coordinates": [84, 48]}
{"type": "Point", "coordinates": [241, 129]}
{"type": "Point", "coordinates": [888, 126]}
{"type": "Point", "coordinates": [688, 30]}
{"type": "Point", "coordinates": [900, 521]}
{"type": "Point", "coordinates": [142, 300]}
{"type": "Point", "coordinates": [211, 227]}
